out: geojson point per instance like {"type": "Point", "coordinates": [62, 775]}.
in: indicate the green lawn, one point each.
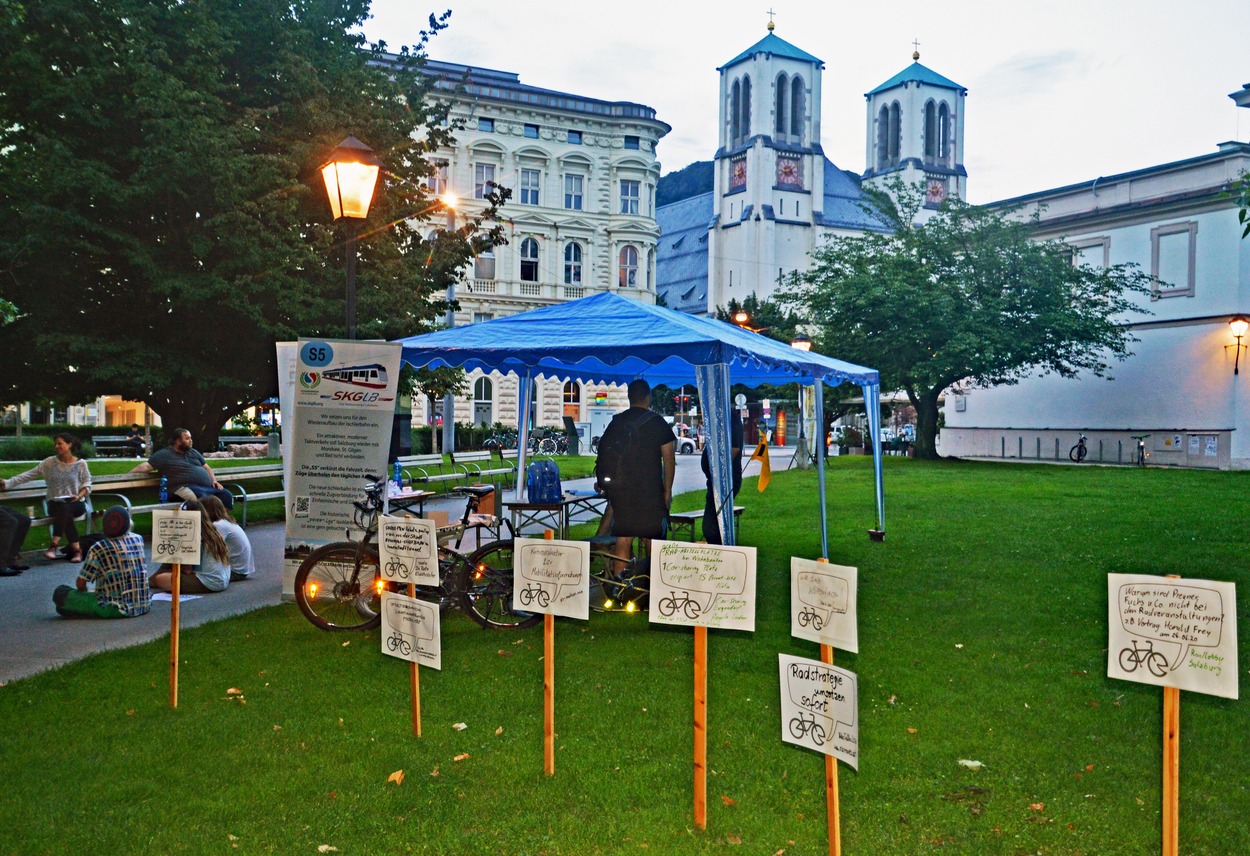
{"type": "Point", "coordinates": [982, 628]}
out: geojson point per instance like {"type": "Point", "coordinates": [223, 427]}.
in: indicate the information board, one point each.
{"type": "Point", "coordinates": [176, 536]}
{"type": "Point", "coordinates": [408, 550]}
{"type": "Point", "coordinates": [551, 577]}
{"type": "Point", "coordinates": [823, 603]}
{"type": "Point", "coordinates": [411, 630]}
{"type": "Point", "coordinates": [707, 585]}
{"type": "Point", "coordinates": [820, 707]}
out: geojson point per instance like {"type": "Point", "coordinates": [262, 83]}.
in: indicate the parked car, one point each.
{"type": "Point", "coordinates": [686, 444]}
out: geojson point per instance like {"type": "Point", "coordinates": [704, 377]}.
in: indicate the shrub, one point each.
{"type": "Point", "coordinates": [26, 449]}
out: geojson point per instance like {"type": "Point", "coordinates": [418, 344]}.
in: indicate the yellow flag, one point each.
{"type": "Point", "coordinates": [766, 471]}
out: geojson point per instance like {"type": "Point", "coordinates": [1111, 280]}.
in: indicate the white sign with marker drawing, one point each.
{"type": "Point", "coordinates": [705, 585]}
{"type": "Point", "coordinates": [820, 707]}
{"type": "Point", "coordinates": [176, 537]}
{"type": "Point", "coordinates": [823, 603]}
{"type": "Point", "coordinates": [408, 550]}
{"type": "Point", "coordinates": [411, 630]}
{"type": "Point", "coordinates": [1173, 632]}
{"type": "Point", "coordinates": [552, 577]}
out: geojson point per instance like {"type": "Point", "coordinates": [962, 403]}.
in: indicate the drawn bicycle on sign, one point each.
{"type": "Point", "coordinates": [670, 604]}
{"type": "Point", "coordinates": [398, 642]}
{"type": "Point", "coordinates": [396, 568]}
{"type": "Point", "coordinates": [801, 726]}
{"type": "Point", "coordinates": [534, 592]}
{"type": "Point", "coordinates": [169, 545]}
{"type": "Point", "coordinates": [1131, 658]}
{"type": "Point", "coordinates": [810, 616]}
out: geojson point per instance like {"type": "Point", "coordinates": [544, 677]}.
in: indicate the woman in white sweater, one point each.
{"type": "Point", "coordinates": [69, 482]}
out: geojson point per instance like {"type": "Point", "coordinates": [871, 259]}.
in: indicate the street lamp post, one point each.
{"type": "Point", "coordinates": [449, 201]}
{"type": "Point", "coordinates": [351, 175]}
{"type": "Point", "coordinates": [801, 458]}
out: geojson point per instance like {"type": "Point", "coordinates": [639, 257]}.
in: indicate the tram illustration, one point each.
{"type": "Point", "coordinates": [369, 377]}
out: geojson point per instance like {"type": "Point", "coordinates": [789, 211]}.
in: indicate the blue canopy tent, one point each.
{"type": "Point", "coordinates": [606, 338]}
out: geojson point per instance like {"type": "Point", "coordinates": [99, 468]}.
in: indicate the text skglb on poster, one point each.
{"type": "Point", "coordinates": [408, 550]}
{"type": "Point", "coordinates": [176, 536]}
{"type": "Point", "coordinates": [551, 577]}
{"type": "Point", "coordinates": [1173, 632]}
{"type": "Point", "coordinates": [820, 707]}
{"type": "Point", "coordinates": [707, 585]}
{"type": "Point", "coordinates": [823, 602]}
{"type": "Point", "coordinates": [411, 630]}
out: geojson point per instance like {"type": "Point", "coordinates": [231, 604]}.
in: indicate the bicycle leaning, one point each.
{"type": "Point", "coordinates": [339, 585]}
{"type": "Point", "coordinates": [1142, 454]}
{"type": "Point", "coordinates": [1078, 452]}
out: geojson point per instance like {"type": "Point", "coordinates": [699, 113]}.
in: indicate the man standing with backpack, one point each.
{"type": "Point", "coordinates": [635, 467]}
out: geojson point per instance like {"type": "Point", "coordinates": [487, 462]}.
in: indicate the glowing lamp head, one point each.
{"type": "Point", "coordinates": [1239, 325]}
{"type": "Point", "coordinates": [631, 607]}
{"type": "Point", "coordinates": [351, 176]}
{"type": "Point", "coordinates": [312, 591]}
{"type": "Point", "coordinates": [801, 342]}
{"type": "Point", "coordinates": [450, 200]}
{"type": "Point", "coordinates": [378, 585]}
{"type": "Point", "coordinates": [741, 317]}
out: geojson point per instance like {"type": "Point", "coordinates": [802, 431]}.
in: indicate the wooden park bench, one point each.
{"type": "Point", "coordinates": [678, 520]}
{"type": "Point", "coordinates": [116, 445]}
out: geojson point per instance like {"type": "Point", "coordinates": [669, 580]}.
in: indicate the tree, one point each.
{"type": "Point", "coordinates": [967, 298]}
{"type": "Point", "coordinates": [163, 222]}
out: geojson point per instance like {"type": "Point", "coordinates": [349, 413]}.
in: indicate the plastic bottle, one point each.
{"type": "Point", "coordinates": [164, 489]}
{"type": "Point", "coordinates": [397, 473]}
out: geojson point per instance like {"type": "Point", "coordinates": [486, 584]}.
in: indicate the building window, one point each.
{"type": "Point", "coordinates": [572, 263]}
{"type": "Point", "coordinates": [798, 106]}
{"type": "Point", "coordinates": [483, 401]}
{"type": "Point", "coordinates": [895, 137]}
{"type": "Point", "coordinates": [487, 125]}
{"type": "Point", "coordinates": [745, 121]}
{"type": "Point", "coordinates": [944, 134]}
{"type": "Point", "coordinates": [1173, 251]}
{"type": "Point", "coordinates": [484, 265]}
{"type": "Point", "coordinates": [781, 104]}
{"type": "Point", "coordinates": [530, 179]}
{"type": "Point", "coordinates": [575, 137]}
{"type": "Point", "coordinates": [531, 131]}
{"type": "Point", "coordinates": [1095, 252]}
{"type": "Point", "coordinates": [930, 131]}
{"type": "Point", "coordinates": [632, 143]}
{"type": "Point", "coordinates": [629, 267]}
{"type": "Point", "coordinates": [483, 176]}
{"type": "Point", "coordinates": [479, 317]}
{"type": "Point", "coordinates": [883, 138]}
{"type": "Point", "coordinates": [529, 260]}
{"type": "Point", "coordinates": [573, 399]}
{"type": "Point", "coordinates": [630, 192]}
{"type": "Point", "coordinates": [735, 106]}
{"type": "Point", "coordinates": [436, 181]}
{"type": "Point", "coordinates": [573, 192]}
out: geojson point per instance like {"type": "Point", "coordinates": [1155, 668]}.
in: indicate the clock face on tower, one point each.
{"type": "Point", "coordinates": [789, 172]}
{"type": "Point", "coordinates": [738, 173]}
{"type": "Point", "coordinates": [935, 191]}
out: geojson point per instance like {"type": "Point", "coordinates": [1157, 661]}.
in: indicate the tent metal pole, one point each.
{"type": "Point", "coordinates": [819, 443]}
{"type": "Point", "coordinates": [522, 431]}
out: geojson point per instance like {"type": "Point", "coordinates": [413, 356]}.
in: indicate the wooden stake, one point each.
{"type": "Point", "coordinates": [1171, 766]}
{"type": "Point", "coordinates": [831, 774]}
{"type": "Point", "coordinates": [414, 679]}
{"type": "Point", "coordinates": [173, 636]}
{"type": "Point", "coordinates": [700, 727]}
{"type": "Point", "coordinates": [549, 687]}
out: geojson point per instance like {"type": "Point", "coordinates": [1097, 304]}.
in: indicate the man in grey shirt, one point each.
{"type": "Point", "coordinates": [188, 474]}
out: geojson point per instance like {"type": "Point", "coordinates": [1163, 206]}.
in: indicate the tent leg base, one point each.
{"type": "Point", "coordinates": [876, 534]}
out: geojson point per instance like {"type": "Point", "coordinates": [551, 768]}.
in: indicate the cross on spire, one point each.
{"type": "Point", "coordinates": [915, 55]}
{"type": "Point", "coordinates": [771, 25]}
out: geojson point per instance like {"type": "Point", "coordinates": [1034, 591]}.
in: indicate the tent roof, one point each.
{"type": "Point", "coordinates": [613, 339]}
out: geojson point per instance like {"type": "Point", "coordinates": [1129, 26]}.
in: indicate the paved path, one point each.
{"type": "Point", "coordinates": [33, 638]}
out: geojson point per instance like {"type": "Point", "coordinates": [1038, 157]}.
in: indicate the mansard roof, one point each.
{"type": "Point", "coordinates": [681, 252]}
{"type": "Point", "coordinates": [772, 44]}
{"type": "Point", "coordinates": [917, 73]}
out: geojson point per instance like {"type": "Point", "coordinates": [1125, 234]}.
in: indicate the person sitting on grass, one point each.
{"type": "Point", "coordinates": [116, 566]}
{"type": "Point", "coordinates": [212, 573]}
{"type": "Point", "coordinates": [242, 565]}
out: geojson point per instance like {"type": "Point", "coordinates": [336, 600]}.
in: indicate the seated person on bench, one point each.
{"type": "Point", "coordinates": [188, 474]}
{"type": "Point", "coordinates": [135, 442]}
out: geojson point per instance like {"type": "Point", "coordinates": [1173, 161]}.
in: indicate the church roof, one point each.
{"type": "Point", "coordinates": [681, 253]}
{"type": "Point", "coordinates": [917, 73]}
{"type": "Point", "coordinates": [844, 202]}
{"type": "Point", "coordinates": [772, 44]}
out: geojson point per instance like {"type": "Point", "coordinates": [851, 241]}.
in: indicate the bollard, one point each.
{"type": "Point", "coordinates": [1020, 448]}
{"type": "Point", "coordinates": [1039, 448]}
{"type": "Point", "coordinates": [1056, 448]}
{"type": "Point", "coordinates": [1003, 441]}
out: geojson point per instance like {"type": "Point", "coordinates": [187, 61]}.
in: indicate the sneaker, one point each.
{"type": "Point", "coordinates": [10, 572]}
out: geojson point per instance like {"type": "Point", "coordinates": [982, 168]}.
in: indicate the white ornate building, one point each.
{"type": "Point", "coordinates": [581, 219]}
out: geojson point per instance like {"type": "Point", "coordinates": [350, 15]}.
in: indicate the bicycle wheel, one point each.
{"type": "Point", "coordinates": [335, 592]}
{"type": "Point", "coordinates": [1077, 453]}
{"type": "Point", "coordinates": [1157, 664]}
{"type": "Point", "coordinates": [1128, 660]}
{"type": "Point", "coordinates": [486, 588]}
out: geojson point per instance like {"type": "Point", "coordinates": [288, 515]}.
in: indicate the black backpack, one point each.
{"type": "Point", "coordinates": [620, 444]}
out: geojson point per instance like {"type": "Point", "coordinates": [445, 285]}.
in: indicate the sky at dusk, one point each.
{"type": "Point", "coordinates": [1058, 92]}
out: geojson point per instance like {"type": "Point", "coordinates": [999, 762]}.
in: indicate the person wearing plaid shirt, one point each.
{"type": "Point", "coordinates": [116, 566]}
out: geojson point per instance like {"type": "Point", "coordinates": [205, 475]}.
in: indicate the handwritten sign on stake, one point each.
{"type": "Point", "coordinates": [823, 602]}
{"type": "Point", "coordinates": [702, 585]}
{"type": "Point", "coordinates": [552, 577]}
{"type": "Point", "coordinates": [408, 550]}
{"type": "Point", "coordinates": [175, 541]}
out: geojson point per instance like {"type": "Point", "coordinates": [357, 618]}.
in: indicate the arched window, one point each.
{"type": "Point", "coordinates": [781, 104]}
{"type": "Point", "coordinates": [895, 133]}
{"type": "Point", "coordinates": [573, 400]}
{"type": "Point", "coordinates": [629, 267]}
{"type": "Point", "coordinates": [484, 265]}
{"type": "Point", "coordinates": [930, 131]}
{"type": "Point", "coordinates": [746, 107]}
{"type": "Point", "coordinates": [883, 138]}
{"type": "Point", "coordinates": [529, 260]}
{"type": "Point", "coordinates": [944, 134]}
{"type": "Point", "coordinates": [483, 401]}
{"type": "Point", "coordinates": [735, 107]}
{"type": "Point", "coordinates": [572, 263]}
{"type": "Point", "coordinates": [798, 107]}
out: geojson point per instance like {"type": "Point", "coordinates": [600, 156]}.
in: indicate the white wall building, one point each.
{"type": "Point", "coordinates": [581, 219]}
{"type": "Point", "coordinates": [1176, 222]}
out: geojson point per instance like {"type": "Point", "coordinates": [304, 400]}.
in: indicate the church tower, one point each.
{"type": "Point", "coordinates": [916, 133]}
{"type": "Point", "coordinates": [769, 170]}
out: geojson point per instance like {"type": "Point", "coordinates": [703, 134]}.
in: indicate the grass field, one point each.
{"type": "Point", "coordinates": [982, 631]}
